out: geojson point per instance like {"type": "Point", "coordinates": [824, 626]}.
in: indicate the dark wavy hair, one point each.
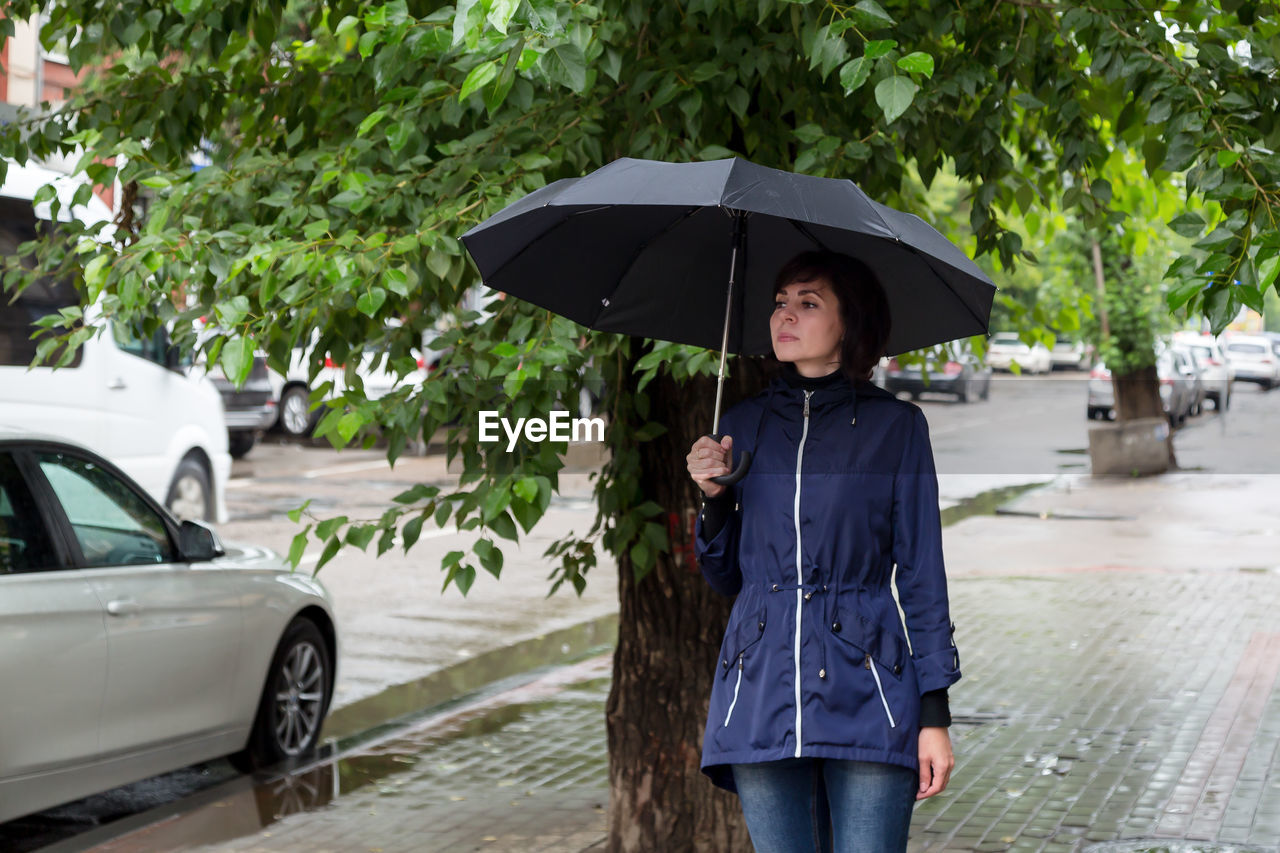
{"type": "Point", "coordinates": [863, 305]}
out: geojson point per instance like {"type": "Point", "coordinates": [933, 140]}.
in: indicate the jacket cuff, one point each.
{"type": "Point", "coordinates": [715, 512]}
{"type": "Point", "coordinates": [935, 709]}
{"type": "Point", "coordinates": [937, 670]}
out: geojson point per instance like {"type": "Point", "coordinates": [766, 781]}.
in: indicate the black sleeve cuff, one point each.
{"type": "Point", "coordinates": [935, 709]}
{"type": "Point", "coordinates": [715, 512]}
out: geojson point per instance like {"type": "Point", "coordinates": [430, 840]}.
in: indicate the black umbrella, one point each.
{"type": "Point", "coordinates": [645, 247]}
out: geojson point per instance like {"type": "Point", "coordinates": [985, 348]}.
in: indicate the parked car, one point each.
{"type": "Point", "coordinates": [1254, 359]}
{"type": "Point", "coordinates": [250, 409]}
{"type": "Point", "coordinates": [295, 416]}
{"type": "Point", "coordinates": [965, 377]}
{"type": "Point", "coordinates": [125, 396]}
{"type": "Point", "coordinates": [1193, 372]}
{"type": "Point", "coordinates": [132, 644]}
{"type": "Point", "coordinates": [1070, 354]}
{"type": "Point", "coordinates": [1216, 370]}
{"type": "Point", "coordinates": [1176, 376]}
{"type": "Point", "coordinates": [1004, 348]}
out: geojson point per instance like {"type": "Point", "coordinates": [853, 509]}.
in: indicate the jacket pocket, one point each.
{"type": "Point", "coordinates": [881, 649]}
{"type": "Point", "coordinates": [737, 644]}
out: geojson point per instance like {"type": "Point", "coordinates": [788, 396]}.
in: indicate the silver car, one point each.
{"type": "Point", "coordinates": [1254, 359]}
{"type": "Point", "coordinates": [1178, 391]}
{"type": "Point", "coordinates": [132, 645]}
{"type": "Point", "coordinates": [1216, 371]}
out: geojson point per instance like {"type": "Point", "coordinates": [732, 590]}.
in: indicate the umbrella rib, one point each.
{"type": "Point", "coordinates": [809, 234]}
{"type": "Point", "coordinates": [595, 318]}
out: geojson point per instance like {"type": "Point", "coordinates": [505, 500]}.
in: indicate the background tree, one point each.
{"type": "Point", "coordinates": [352, 142]}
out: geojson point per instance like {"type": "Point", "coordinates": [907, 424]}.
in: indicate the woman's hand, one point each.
{"type": "Point", "coordinates": [936, 761]}
{"type": "Point", "coordinates": [708, 459]}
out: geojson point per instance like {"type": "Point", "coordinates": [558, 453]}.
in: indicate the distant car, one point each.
{"type": "Point", "coordinates": [295, 416]}
{"type": "Point", "coordinates": [132, 644]}
{"type": "Point", "coordinates": [1004, 348]}
{"type": "Point", "coordinates": [1216, 371]}
{"type": "Point", "coordinates": [1254, 359]}
{"type": "Point", "coordinates": [1193, 372]}
{"type": "Point", "coordinates": [1069, 354]}
{"type": "Point", "coordinates": [964, 377]}
{"type": "Point", "coordinates": [125, 396]}
{"type": "Point", "coordinates": [1176, 376]}
{"type": "Point", "coordinates": [250, 409]}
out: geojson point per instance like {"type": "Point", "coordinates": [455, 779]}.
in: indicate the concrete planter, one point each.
{"type": "Point", "coordinates": [1130, 448]}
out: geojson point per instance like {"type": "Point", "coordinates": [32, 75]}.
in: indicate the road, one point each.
{"type": "Point", "coordinates": [393, 615]}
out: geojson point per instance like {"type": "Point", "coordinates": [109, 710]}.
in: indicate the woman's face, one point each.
{"type": "Point", "coordinates": [806, 326]}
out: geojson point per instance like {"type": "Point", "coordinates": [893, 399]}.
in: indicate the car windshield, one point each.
{"type": "Point", "coordinates": [1247, 349]}
{"type": "Point", "coordinates": [1005, 338]}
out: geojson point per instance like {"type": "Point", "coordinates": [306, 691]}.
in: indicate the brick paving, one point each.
{"type": "Point", "coordinates": [1124, 699]}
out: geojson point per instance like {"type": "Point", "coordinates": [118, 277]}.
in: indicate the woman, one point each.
{"type": "Point", "coordinates": [823, 719]}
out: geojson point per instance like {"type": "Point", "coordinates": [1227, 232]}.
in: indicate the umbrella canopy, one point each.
{"type": "Point", "coordinates": [643, 247]}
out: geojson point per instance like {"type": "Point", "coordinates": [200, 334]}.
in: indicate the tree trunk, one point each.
{"type": "Point", "coordinates": [1137, 395]}
{"type": "Point", "coordinates": [669, 633]}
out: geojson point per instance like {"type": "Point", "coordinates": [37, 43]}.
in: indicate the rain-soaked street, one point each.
{"type": "Point", "coordinates": [1117, 639]}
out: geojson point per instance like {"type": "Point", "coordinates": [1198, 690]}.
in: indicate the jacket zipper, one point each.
{"type": "Point", "coordinates": [880, 689]}
{"type": "Point", "coordinates": [736, 687]}
{"type": "Point", "coordinates": [804, 434]}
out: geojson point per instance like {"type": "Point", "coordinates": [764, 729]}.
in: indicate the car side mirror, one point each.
{"type": "Point", "coordinates": [198, 542]}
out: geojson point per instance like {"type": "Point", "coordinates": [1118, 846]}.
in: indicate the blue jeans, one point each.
{"type": "Point", "coordinates": [820, 805]}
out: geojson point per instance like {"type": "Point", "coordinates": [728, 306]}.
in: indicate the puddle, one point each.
{"type": "Point", "coordinates": [985, 503]}
{"type": "Point", "coordinates": [393, 706]}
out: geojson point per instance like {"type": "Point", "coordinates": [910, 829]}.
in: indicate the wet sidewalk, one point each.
{"type": "Point", "coordinates": [1120, 645]}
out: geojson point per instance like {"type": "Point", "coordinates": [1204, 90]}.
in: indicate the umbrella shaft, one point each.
{"type": "Point", "coordinates": [739, 238]}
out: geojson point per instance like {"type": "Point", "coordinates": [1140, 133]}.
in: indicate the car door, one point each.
{"type": "Point", "coordinates": [53, 644]}
{"type": "Point", "coordinates": [173, 629]}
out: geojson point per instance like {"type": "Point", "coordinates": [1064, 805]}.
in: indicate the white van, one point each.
{"type": "Point", "coordinates": [128, 399]}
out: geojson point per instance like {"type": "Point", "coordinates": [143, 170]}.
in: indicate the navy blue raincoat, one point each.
{"type": "Point", "coordinates": [815, 661]}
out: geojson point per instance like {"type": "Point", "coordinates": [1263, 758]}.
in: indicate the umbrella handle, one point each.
{"type": "Point", "coordinates": [744, 465]}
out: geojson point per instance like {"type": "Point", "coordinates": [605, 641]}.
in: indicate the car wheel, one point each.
{"type": "Point", "coordinates": [240, 443]}
{"type": "Point", "coordinates": [295, 411]}
{"type": "Point", "coordinates": [190, 495]}
{"type": "Point", "coordinates": [964, 394]}
{"type": "Point", "coordinates": [294, 700]}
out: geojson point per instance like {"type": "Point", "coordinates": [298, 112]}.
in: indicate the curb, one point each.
{"type": "Point", "coordinates": [466, 677]}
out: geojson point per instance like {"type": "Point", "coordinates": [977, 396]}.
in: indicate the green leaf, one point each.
{"type": "Point", "coordinates": [526, 489]}
{"type": "Point", "coordinates": [371, 300]}
{"type": "Point", "coordinates": [349, 424]}
{"type": "Point", "coordinates": [565, 64]}
{"type": "Point", "coordinates": [412, 530]}
{"type": "Point", "coordinates": [298, 547]}
{"type": "Point", "coordinates": [370, 121]}
{"type": "Point", "coordinates": [236, 360]}
{"type": "Point", "coordinates": [361, 535]}
{"type": "Point", "coordinates": [1189, 224]}
{"type": "Point", "coordinates": [95, 275]}
{"type": "Point", "coordinates": [872, 13]}
{"type": "Point", "coordinates": [854, 73]}
{"type": "Point", "coordinates": [504, 527]}
{"type": "Point", "coordinates": [156, 182]}
{"type": "Point", "coordinates": [495, 501]}
{"type": "Point", "coordinates": [917, 63]}
{"type": "Point", "coordinates": [894, 95]}
{"type": "Point", "coordinates": [1227, 158]}
{"type": "Point", "coordinates": [399, 135]}
{"type": "Point", "coordinates": [480, 76]}
{"type": "Point", "coordinates": [500, 13]}
{"type": "Point", "coordinates": [295, 515]}
{"type": "Point", "coordinates": [331, 549]}
{"type": "Point", "coordinates": [878, 48]}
